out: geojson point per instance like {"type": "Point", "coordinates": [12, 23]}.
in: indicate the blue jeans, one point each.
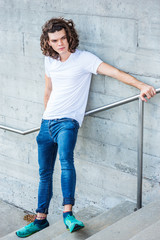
{"type": "Point", "coordinates": [61, 135]}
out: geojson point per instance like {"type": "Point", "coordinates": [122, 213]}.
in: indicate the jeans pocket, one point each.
{"type": "Point", "coordinates": [76, 123]}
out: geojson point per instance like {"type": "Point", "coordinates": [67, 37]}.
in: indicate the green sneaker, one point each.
{"type": "Point", "coordinates": [72, 224]}
{"type": "Point", "coordinates": [30, 229]}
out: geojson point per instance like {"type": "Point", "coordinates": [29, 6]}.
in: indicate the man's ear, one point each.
{"type": "Point", "coordinates": [48, 43]}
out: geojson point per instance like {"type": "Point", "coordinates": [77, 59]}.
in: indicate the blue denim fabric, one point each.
{"type": "Point", "coordinates": [61, 135]}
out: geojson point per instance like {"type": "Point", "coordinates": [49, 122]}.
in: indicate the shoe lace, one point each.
{"type": "Point", "coordinates": [71, 217]}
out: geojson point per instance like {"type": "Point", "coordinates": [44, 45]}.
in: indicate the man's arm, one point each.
{"type": "Point", "coordinates": [108, 70]}
{"type": "Point", "coordinates": [48, 89]}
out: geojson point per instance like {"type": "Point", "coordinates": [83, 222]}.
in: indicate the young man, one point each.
{"type": "Point", "coordinates": [68, 74]}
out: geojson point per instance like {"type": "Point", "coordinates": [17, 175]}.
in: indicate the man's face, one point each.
{"type": "Point", "coordinates": [58, 41]}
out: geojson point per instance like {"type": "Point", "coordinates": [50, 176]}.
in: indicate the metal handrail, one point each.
{"type": "Point", "coordinates": [140, 136]}
{"type": "Point", "coordinates": [116, 104]}
{"type": "Point", "coordinates": [106, 107]}
{"type": "Point", "coordinates": [19, 131]}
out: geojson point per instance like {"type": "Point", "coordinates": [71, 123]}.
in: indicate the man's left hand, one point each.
{"type": "Point", "coordinates": [147, 91]}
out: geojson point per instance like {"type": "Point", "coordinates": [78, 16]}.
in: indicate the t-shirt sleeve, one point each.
{"type": "Point", "coordinates": [46, 63]}
{"type": "Point", "coordinates": [91, 62]}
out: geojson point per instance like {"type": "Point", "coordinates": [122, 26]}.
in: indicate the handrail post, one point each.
{"type": "Point", "coordinates": [140, 153]}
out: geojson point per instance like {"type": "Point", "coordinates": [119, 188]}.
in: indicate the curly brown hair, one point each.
{"type": "Point", "coordinates": [57, 24]}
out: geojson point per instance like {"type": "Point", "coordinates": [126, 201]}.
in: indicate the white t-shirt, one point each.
{"type": "Point", "coordinates": [70, 85]}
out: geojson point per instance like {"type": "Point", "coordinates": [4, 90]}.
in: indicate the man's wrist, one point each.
{"type": "Point", "coordinates": [141, 86]}
{"type": "Point", "coordinates": [138, 84]}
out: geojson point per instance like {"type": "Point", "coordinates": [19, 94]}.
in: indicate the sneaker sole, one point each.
{"type": "Point", "coordinates": [27, 235]}
{"type": "Point", "coordinates": [76, 227]}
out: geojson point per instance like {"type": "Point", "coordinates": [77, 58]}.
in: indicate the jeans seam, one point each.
{"type": "Point", "coordinates": [47, 203]}
{"type": "Point", "coordinates": [50, 133]}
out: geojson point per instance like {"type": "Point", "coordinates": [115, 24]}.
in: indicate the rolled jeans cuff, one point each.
{"type": "Point", "coordinates": [38, 210]}
{"type": "Point", "coordinates": [68, 201]}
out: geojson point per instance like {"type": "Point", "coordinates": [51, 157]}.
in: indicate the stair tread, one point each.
{"type": "Point", "coordinates": [12, 218]}
{"type": "Point", "coordinates": [150, 233]}
{"type": "Point", "coordinates": [99, 222]}
{"type": "Point", "coordinates": [58, 227]}
{"type": "Point", "coordinates": [131, 225]}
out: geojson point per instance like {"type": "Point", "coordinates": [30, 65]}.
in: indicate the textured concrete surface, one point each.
{"type": "Point", "coordinates": [131, 225]}
{"type": "Point", "coordinates": [11, 218]}
{"type": "Point", "coordinates": [150, 233]}
{"type": "Point", "coordinates": [100, 222]}
{"type": "Point", "coordinates": [57, 226]}
{"type": "Point", "coordinates": [122, 33]}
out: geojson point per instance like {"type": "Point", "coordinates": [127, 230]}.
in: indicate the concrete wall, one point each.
{"type": "Point", "coordinates": [122, 33]}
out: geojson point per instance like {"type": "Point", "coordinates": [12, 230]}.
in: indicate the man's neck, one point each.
{"type": "Point", "coordinates": [65, 56]}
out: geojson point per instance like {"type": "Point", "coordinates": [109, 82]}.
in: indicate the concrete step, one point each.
{"type": "Point", "coordinates": [58, 227]}
{"type": "Point", "coordinates": [150, 233]}
{"type": "Point", "coordinates": [131, 225]}
{"type": "Point", "coordinates": [12, 218]}
{"type": "Point", "coordinates": [99, 222]}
